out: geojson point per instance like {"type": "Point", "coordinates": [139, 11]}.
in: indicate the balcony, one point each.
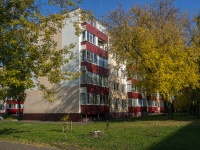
{"type": "Point", "coordinates": [94, 109]}
{"type": "Point", "coordinates": [94, 30]}
{"type": "Point", "coordinates": [95, 49]}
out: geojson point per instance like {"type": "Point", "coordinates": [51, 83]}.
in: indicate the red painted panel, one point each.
{"type": "Point", "coordinates": [13, 111]}
{"type": "Point", "coordinates": [95, 69]}
{"type": "Point", "coordinates": [13, 102]}
{"type": "Point", "coordinates": [134, 95]}
{"type": "Point", "coordinates": [152, 109]}
{"type": "Point", "coordinates": [134, 109]}
{"type": "Point", "coordinates": [161, 109]}
{"type": "Point", "coordinates": [94, 109]}
{"type": "Point", "coordinates": [96, 32]}
{"type": "Point", "coordinates": [95, 49]}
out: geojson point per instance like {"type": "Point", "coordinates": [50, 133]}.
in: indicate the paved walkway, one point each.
{"type": "Point", "coordinates": [18, 146]}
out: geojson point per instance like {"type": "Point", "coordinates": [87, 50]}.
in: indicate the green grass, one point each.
{"type": "Point", "coordinates": [146, 133]}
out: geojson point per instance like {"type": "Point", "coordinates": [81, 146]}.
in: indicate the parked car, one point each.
{"type": "Point", "coordinates": [1, 118]}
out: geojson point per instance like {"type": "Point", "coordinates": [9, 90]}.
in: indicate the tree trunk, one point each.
{"type": "Point", "coordinates": [198, 109]}
{"type": "Point", "coordinates": [19, 112]}
{"type": "Point", "coordinates": [170, 110]}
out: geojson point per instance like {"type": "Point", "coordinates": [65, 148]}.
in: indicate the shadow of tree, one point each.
{"type": "Point", "coordinates": [8, 131]}
{"type": "Point", "coordinates": [187, 138]}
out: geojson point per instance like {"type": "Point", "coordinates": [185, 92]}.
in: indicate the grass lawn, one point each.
{"type": "Point", "coordinates": [146, 133]}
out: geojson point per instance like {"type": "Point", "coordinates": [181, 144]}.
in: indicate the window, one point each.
{"type": "Point", "coordinates": [135, 102]}
{"type": "Point", "coordinates": [130, 102]}
{"type": "Point", "coordinates": [106, 63]}
{"type": "Point", "coordinates": [100, 80]}
{"type": "Point", "coordinates": [83, 77]}
{"type": "Point", "coordinates": [88, 34]}
{"type": "Point", "coordinates": [154, 103]}
{"type": "Point", "coordinates": [161, 103]}
{"type": "Point", "coordinates": [98, 99]}
{"type": "Point", "coordinates": [90, 98]}
{"type": "Point", "coordinates": [91, 38]}
{"type": "Point", "coordinates": [124, 88]}
{"type": "Point", "coordinates": [95, 59]}
{"type": "Point", "coordinates": [101, 61]}
{"type": "Point", "coordinates": [140, 102]}
{"type": "Point", "coordinates": [106, 100]}
{"type": "Point", "coordinates": [83, 98]}
{"type": "Point", "coordinates": [89, 56]}
{"type": "Point", "coordinates": [132, 88]}
{"type": "Point", "coordinates": [97, 79]}
{"type": "Point", "coordinates": [83, 36]}
{"type": "Point", "coordinates": [95, 99]}
{"type": "Point", "coordinates": [11, 106]}
{"type": "Point", "coordinates": [89, 77]}
{"type": "Point", "coordinates": [22, 106]}
{"type": "Point", "coordinates": [1, 106]}
{"type": "Point", "coordinates": [102, 99]}
{"type": "Point", "coordinates": [116, 86]}
{"type": "Point", "coordinates": [83, 55]}
{"type": "Point", "coordinates": [124, 104]}
{"type": "Point", "coordinates": [106, 81]}
{"type": "Point", "coordinates": [116, 101]}
{"type": "Point", "coordinates": [144, 102]}
{"type": "Point", "coordinates": [149, 103]}
{"type": "Point", "coordinates": [94, 78]}
{"type": "Point", "coordinates": [129, 87]}
{"type": "Point", "coordinates": [123, 74]}
{"type": "Point", "coordinates": [115, 72]}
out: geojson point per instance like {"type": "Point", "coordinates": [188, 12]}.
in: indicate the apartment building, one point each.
{"type": "Point", "coordinates": [85, 97]}
{"type": "Point", "coordinates": [102, 91]}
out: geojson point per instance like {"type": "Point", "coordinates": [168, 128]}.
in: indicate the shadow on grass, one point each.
{"type": "Point", "coordinates": [187, 138]}
{"type": "Point", "coordinates": [7, 131]}
{"type": "Point", "coordinates": [157, 117]}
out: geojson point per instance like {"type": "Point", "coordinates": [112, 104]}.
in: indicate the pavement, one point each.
{"type": "Point", "coordinates": [18, 146]}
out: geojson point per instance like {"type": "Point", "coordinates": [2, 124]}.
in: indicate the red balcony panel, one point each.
{"type": "Point", "coordinates": [134, 95]}
{"type": "Point", "coordinates": [96, 32]}
{"type": "Point", "coordinates": [161, 109]}
{"type": "Point", "coordinates": [97, 89]}
{"type": "Point", "coordinates": [152, 109]}
{"type": "Point", "coordinates": [134, 109]}
{"type": "Point", "coordinates": [95, 69]}
{"type": "Point", "coordinates": [14, 102]}
{"type": "Point", "coordinates": [95, 49]}
{"type": "Point", "coordinates": [94, 109]}
{"type": "Point", "coordinates": [13, 111]}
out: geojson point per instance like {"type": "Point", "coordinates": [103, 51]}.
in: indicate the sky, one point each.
{"type": "Point", "coordinates": [101, 7]}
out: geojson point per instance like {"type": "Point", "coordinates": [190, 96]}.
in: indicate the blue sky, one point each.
{"type": "Point", "coordinates": [101, 7]}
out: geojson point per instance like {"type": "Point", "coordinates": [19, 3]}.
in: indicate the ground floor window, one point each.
{"type": "Point", "coordinates": [123, 103]}
{"type": "Point", "coordinates": [116, 103]}
{"type": "Point", "coordinates": [1, 106]}
{"type": "Point", "coordinates": [94, 99]}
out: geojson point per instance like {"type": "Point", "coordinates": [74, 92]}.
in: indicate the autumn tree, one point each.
{"type": "Point", "coordinates": [27, 48]}
{"type": "Point", "coordinates": [153, 41]}
{"type": "Point", "coordinates": [190, 97]}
